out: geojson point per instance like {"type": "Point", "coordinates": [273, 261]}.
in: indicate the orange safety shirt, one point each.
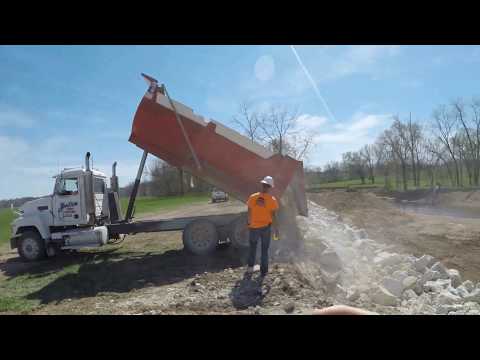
{"type": "Point", "coordinates": [261, 206]}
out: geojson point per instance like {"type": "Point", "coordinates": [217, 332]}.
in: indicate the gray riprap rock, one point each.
{"type": "Point", "coordinates": [353, 295]}
{"type": "Point", "coordinates": [330, 278]}
{"type": "Point", "coordinates": [438, 266]}
{"type": "Point", "coordinates": [429, 275]}
{"type": "Point", "coordinates": [432, 286]}
{"type": "Point", "coordinates": [423, 263]}
{"type": "Point", "coordinates": [330, 261]}
{"type": "Point", "coordinates": [447, 298]}
{"type": "Point", "coordinates": [382, 296]}
{"type": "Point", "coordinates": [454, 275]}
{"type": "Point", "coordinates": [468, 285]}
{"type": "Point", "coordinates": [409, 294]}
{"type": "Point", "coordinates": [418, 288]}
{"type": "Point", "coordinates": [461, 291]}
{"type": "Point", "coordinates": [471, 305]}
{"type": "Point", "coordinates": [409, 282]}
{"type": "Point", "coordinates": [474, 296]}
{"type": "Point", "coordinates": [387, 259]}
{"type": "Point", "coordinates": [393, 286]}
{"type": "Point", "coordinates": [361, 234]}
{"type": "Point", "coordinates": [359, 244]}
{"type": "Point", "coordinates": [400, 275]}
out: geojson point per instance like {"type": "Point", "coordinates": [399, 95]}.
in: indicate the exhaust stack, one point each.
{"type": "Point", "coordinates": [87, 161]}
{"type": "Point", "coordinates": [114, 178]}
{"type": "Point", "coordinates": [88, 193]}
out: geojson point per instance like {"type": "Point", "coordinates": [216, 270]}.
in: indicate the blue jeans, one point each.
{"type": "Point", "coordinates": [264, 234]}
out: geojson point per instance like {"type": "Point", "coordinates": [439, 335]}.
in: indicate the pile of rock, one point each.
{"type": "Point", "coordinates": [372, 276]}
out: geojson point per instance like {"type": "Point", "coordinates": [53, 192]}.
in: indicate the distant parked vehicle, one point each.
{"type": "Point", "coordinates": [219, 195]}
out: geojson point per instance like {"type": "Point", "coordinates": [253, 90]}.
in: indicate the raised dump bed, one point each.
{"type": "Point", "coordinates": [210, 150]}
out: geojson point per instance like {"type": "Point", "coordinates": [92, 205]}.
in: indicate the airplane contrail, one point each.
{"type": "Point", "coordinates": [312, 82]}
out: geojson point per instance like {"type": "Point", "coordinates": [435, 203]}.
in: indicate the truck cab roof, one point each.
{"type": "Point", "coordinates": [76, 172]}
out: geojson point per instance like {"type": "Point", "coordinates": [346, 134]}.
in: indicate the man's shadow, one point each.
{"type": "Point", "coordinates": [248, 292]}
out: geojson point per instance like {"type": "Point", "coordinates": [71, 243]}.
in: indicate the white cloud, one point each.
{"type": "Point", "coordinates": [351, 135]}
{"type": "Point", "coordinates": [11, 117]}
{"type": "Point", "coordinates": [363, 122]}
{"type": "Point", "coordinates": [309, 122]}
{"type": "Point", "coordinates": [361, 59]}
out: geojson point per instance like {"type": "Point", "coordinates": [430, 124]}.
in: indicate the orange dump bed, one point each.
{"type": "Point", "coordinates": [227, 159]}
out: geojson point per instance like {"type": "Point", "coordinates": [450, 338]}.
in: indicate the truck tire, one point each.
{"type": "Point", "coordinates": [31, 246]}
{"type": "Point", "coordinates": [239, 233]}
{"type": "Point", "coordinates": [200, 237]}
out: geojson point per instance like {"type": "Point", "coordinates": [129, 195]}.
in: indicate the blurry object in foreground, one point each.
{"type": "Point", "coordinates": [342, 310]}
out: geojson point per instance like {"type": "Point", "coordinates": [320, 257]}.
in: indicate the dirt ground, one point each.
{"type": "Point", "coordinates": [151, 274]}
{"type": "Point", "coordinates": [440, 232]}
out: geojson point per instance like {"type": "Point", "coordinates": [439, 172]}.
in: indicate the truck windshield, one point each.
{"type": "Point", "coordinates": [67, 186]}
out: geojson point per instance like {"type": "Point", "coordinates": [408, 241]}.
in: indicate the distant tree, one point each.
{"type": "Point", "coordinates": [355, 165]}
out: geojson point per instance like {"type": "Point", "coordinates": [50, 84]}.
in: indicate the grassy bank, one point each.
{"type": "Point", "coordinates": [379, 183]}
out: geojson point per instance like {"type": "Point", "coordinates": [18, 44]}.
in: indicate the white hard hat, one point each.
{"type": "Point", "coordinates": [267, 180]}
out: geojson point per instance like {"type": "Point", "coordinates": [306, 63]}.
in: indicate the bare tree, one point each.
{"type": "Point", "coordinates": [276, 124]}
{"type": "Point", "coordinates": [368, 155]}
{"type": "Point", "coordinates": [277, 129]}
{"type": "Point", "coordinates": [248, 121]}
{"type": "Point", "coordinates": [444, 129]}
{"type": "Point", "coordinates": [396, 138]}
{"type": "Point", "coordinates": [414, 137]}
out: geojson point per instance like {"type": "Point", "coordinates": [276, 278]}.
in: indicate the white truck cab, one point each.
{"type": "Point", "coordinates": [74, 216]}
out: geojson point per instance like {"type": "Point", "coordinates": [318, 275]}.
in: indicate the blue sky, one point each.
{"type": "Point", "coordinates": [57, 102]}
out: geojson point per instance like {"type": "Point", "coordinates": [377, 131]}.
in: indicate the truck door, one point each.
{"type": "Point", "coordinates": [66, 204]}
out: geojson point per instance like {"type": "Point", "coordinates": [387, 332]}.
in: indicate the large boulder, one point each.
{"type": "Point", "coordinates": [409, 282]}
{"type": "Point", "coordinates": [454, 275]}
{"type": "Point", "coordinates": [330, 261]}
{"type": "Point", "coordinates": [423, 263]}
{"type": "Point", "coordinates": [441, 270]}
{"type": "Point", "coordinates": [394, 286]}
{"type": "Point", "coordinates": [382, 296]}
{"type": "Point", "coordinates": [400, 275]}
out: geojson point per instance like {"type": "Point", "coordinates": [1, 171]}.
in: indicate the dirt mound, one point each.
{"type": "Point", "coordinates": [460, 199]}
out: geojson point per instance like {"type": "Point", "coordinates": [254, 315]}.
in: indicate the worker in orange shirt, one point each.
{"type": "Point", "coordinates": [261, 215]}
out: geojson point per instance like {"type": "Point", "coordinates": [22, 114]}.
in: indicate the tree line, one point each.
{"type": "Point", "coordinates": [443, 149]}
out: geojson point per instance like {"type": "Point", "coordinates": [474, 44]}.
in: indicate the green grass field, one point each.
{"type": "Point", "coordinates": [6, 217]}
{"type": "Point", "coordinates": [145, 205]}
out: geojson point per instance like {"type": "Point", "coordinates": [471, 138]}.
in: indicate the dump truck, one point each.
{"type": "Point", "coordinates": [84, 212]}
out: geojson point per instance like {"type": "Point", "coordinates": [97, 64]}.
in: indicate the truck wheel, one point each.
{"type": "Point", "coordinates": [200, 237]}
{"type": "Point", "coordinates": [239, 233]}
{"type": "Point", "coordinates": [31, 246]}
